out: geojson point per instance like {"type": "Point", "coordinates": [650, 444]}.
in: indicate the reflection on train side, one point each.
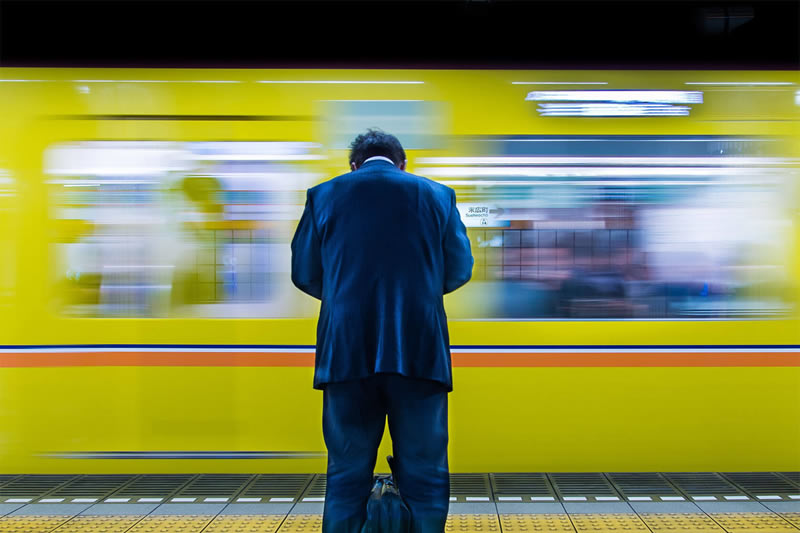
{"type": "Point", "coordinates": [623, 227]}
{"type": "Point", "coordinates": [8, 215]}
{"type": "Point", "coordinates": [602, 227]}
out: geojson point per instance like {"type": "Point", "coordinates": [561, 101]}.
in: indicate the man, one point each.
{"type": "Point", "coordinates": [380, 247]}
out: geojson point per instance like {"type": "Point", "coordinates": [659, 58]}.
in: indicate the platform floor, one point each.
{"type": "Point", "coordinates": [480, 503]}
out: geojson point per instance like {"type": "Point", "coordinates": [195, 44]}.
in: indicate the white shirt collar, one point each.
{"type": "Point", "coordinates": [378, 157]}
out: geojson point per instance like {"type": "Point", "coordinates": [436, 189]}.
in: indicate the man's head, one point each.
{"type": "Point", "coordinates": [375, 142]}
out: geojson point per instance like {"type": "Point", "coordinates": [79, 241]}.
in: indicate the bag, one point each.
{"type": "Point", "coordinates": [386, 510]}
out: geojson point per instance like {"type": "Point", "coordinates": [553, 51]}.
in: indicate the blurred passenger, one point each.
{"type": "Point", "coordinates": [592, 292]}
{"type": "Point", "coordinates": [194, 254]}
{"type": "Point", "coordinates": [380, 247]}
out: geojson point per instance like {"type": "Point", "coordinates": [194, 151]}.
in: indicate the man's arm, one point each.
{"type": "Point", "coordinates": [457, 253]}
{"type": "Point", "coordinates": [307, 254]}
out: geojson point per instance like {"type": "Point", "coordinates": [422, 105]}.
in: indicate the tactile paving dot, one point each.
{"type": "Point", "coordinates": [677, 522]}
{"type": "Point", "coordinates": [32, 523]}
{"type": "Point", "coordinates": [536, 522]}
{"type": "Point", "coordinates": [607, 522]}
{"type": "Point", "coordinates": [794, 518]}
{"type": "Point", "coordinates": [99, 524]}
{"type": "Point", "coordinates": [460, 523]}
{"type": "Point", "coordinates": [172, 524]}
{"type": "Point", "coordinates": [305, 523]}
{"type": "Point", "coordinates": [752, 522]}
{"type": "Point", "coordinates": [245, 524]}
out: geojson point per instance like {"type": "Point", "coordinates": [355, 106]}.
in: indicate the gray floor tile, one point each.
{"type": "Point", "coordinates": [605, 507]}
{"type": "Point", "coordinates": [257, 508]}
{"type": "Point", "coordinates": [188, 508]}
{"type": "Point", "coordinates": [6, 508]}
{"type": "Point", "coordinates": [529, 508]}
{"type": "Point", "coordinates": [783, 507]}
{"type": "Point", "coordinates": [665, 507]}
{"type": "Point", "coordinates": [308, 508]}
{"type": "Point", "coordinates": [472, 508]}
{"type": "Point", "coordinates": [51, 509]}
{"type": "Point", "coordinates": [732, 507]}
{"type": "Point", "coordinates": [100, 509]}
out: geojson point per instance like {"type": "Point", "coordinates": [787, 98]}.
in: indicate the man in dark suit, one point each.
{"type": "Point", "coordinates": [380, 247]}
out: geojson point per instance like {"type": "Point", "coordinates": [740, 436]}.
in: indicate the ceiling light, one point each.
{"type": "Point", "coordinates": [345, 82]}
{"type": "Point", "coordinates": [611, 110]}
{"type": "Point", "coordinates": [559, 83]}
{"type": "Point", "coordinates": [622, 96]}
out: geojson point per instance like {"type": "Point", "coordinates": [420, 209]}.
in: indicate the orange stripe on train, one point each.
{"type": "Point", "coordinates": [474, 359]}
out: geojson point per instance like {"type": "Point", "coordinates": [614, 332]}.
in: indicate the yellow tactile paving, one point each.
{"type": "Point", "coordinates": [607, 522]}
{"type": "Point", "coordinates": [172, 524]}
{"type": "Point", "coordinates": [99, 524]}
{"type": "Point", "coordinates": [32, 523]}
{"type": "Point", "coordinates": [679, 522]}
{"type": "Point", "coordinates": [245, 524]}
{"type": "Point", "coordinates": [753, 523]}
{"type": "Point", "coordinates": [302, 523]}
{"type": "Point", "coordinates": [471, 523]}
{"type": "Point", "coordinates": [523, 523]}
{"type": "Point", "coordinates": [765, 522]}
{"type": "Point", "coordinates": [794, 518]}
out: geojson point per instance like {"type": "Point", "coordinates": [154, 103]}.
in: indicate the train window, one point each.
{"type": "Point", "coordinates": [615, 227]}
{"type": "Point", "coordinates": [418, 124]}
{"type": "Point", "coordinates": [154, 229]}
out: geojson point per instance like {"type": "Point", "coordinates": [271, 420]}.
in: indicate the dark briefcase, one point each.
{"type": "Point", "coordinates": [386, 510]}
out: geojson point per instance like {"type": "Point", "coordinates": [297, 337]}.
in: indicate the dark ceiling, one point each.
{"type": "Point", "coordinates": [452, 34]}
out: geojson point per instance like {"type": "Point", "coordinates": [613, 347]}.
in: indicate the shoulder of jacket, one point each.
{"type": "Point", "coordinates": [434, 186]}
{"type": "Point", "coordinates": [321, 188]}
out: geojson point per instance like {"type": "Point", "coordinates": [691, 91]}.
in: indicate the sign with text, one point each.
{"type": "Point", "coordinates": [481, 215]}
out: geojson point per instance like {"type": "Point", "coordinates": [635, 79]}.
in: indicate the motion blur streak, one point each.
{"type": "Point", "coordinates": [589, 226]}
{"type": "Point", "coordinates": [629, 266]}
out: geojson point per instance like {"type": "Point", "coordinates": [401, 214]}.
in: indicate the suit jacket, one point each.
{"type": "Point", "coordinates": [380, 247]}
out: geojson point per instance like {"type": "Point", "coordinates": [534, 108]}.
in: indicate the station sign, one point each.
{"type": "Point", "coordinates": [481, 216]}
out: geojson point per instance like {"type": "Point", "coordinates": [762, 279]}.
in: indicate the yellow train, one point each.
{"type": "Point", "coordinates": [633, 304]}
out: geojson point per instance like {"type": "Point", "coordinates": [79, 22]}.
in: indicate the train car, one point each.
{"type": "Point", "coordinates": [634, 301]}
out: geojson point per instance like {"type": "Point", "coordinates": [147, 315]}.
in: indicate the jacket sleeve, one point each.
{"type": "Point", "coordinates": [457, 252]}
{"type": "Point", "coordinates": [307, 254]}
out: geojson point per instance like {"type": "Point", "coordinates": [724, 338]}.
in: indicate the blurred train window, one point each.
{"type": "Point", "coordinates": [616, 227]}
{"type": "Point", "coordinates": [156, 229]}
{"type": "Point", "coordinates": [418, 124]}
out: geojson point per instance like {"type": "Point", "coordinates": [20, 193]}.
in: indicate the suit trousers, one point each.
{"type": "Point", "coordinates": [353, 419]}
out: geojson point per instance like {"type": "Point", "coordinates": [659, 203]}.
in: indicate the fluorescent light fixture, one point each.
{"type": "Point", "coordinates": [560, 172]}
{"type": "Point", "coordinates": [94, 183]}
{"type": "Point", "coordinates": [738, 139]}
{"type": "Point", "coordinates": [741, 83]}
{"type": "Point", "coordinates": [797, 98]}
{"type": "Point", "coordinates": [559, 83]}
{"type": "Point", "coordinates": [371, 100]}
{"type": "Point", "coordinates": [156, 81]}
{"type": "Point", "coordinates": [593, 183]}
{"type": "Point", "coordinates": [261, 176]}
{"type": "Point", "coordinates": [258, 157]}
{"type": "Point", "coordinates": [363, 82]}
{"type": "Point", "coordinates": [621, 96]}
{"type": "Point", "coordinates": [18, 81]}
{"type": "Point", "coordinates": [612, 110]}
{"type": "Point", "coordinates": [618, 161]}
